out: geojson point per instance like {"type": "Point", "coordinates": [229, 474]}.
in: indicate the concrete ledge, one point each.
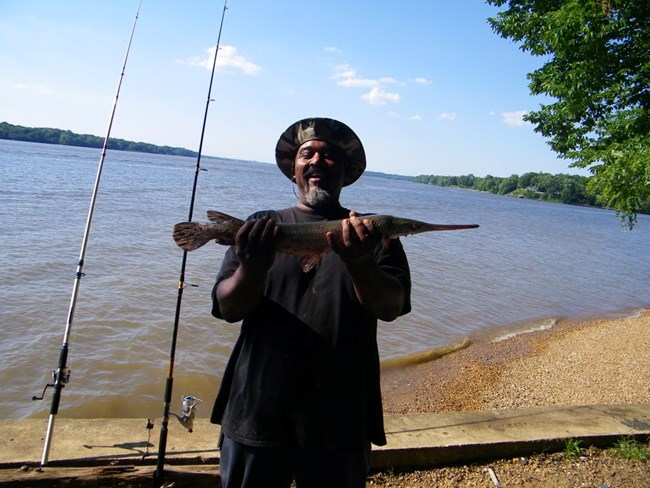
{"type": "Point", "coordinates": [423, 440]}
{"type": "Point", "coordinates": [93, 442]}
{"type": "Point", "coordinates": [417, 440]}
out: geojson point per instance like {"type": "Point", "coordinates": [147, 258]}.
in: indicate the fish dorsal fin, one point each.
{"type": "Point", "coordinates": [214, 216]}
{"type": "Point", "coordinates": [309, 262]}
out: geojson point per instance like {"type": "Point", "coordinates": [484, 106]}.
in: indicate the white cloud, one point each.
{"type": "Point", "coordinates": [332, 49]}
{"type": "Point", "coordinates": [387, 80]}
{"type": "Point", "coordinates": [447, 116]}
{"type": "Point", "coordinates": [422, 81]}
{"type": "Point", "coordinates": [377, 96]}
{"type": "Point", "coordinates": [227, 58]}
{"type": "Point", "coordinates": [515, 119]}
{"type": "Point", "coordinates": [347, 77]}
{"type": "Point", "coordinates": [395, 115]}
{"type": "Point", "coordinates": [33, 87]}
{"type": "Point", "coordinates": [358, 83]}
{"type": "Point", "coordinates": [343, 71]}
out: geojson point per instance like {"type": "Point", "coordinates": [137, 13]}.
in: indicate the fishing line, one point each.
{"type": "Point", "coordinates": [162, 444]}
{"type": "Point", "coordinates": [61, 375]}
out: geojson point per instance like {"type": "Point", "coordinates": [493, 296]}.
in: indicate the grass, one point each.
{"type": "Point", "coordinates": [630, 448]}
{"type": "Point", "coordinates": [572, 449]}
{"type": "Point", "coordinates": [625, 448]}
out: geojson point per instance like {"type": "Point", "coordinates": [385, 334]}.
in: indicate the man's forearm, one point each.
{"type": "Point", "coordinates": [380, 293]}
{"type": "Point", "coordinates": [240, 294]}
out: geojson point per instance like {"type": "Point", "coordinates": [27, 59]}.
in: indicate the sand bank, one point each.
{"type": "Point", "coordinates": [572, 363]}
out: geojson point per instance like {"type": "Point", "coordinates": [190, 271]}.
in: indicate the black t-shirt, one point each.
{"type": "Point", "coordinates": [305, 369]}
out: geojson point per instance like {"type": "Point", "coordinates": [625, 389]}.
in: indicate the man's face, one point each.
{"type": "Point", "coordinates": [319, 171]}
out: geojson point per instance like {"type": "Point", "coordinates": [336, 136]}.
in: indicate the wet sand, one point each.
{"type": "Point", "coordinates": [573, 363]}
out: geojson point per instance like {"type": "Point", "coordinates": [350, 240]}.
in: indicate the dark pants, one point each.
{"type": "Point", "coordinates": [244, 466]}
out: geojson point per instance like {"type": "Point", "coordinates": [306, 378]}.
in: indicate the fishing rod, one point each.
{"type": "Point", "coordinates": [162, 444]}
{"type": "Point", "coordinates": [61, 375]}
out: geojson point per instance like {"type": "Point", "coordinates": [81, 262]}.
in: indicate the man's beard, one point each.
{"type": "Point", "coordinates": [318, 197]}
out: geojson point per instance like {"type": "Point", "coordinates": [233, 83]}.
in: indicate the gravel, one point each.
{"type": "Point", "coordinates": [573, 363]}
{"type": "Point", "coordinates": [596, 468]}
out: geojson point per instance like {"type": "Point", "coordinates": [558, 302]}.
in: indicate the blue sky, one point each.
{"type": "Point", "coordinates": [427, 85]}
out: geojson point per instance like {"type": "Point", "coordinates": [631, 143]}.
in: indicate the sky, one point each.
{"type": "Point", "coordinates": [426, 84]}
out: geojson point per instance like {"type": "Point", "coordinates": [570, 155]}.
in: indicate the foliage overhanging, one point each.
{"type": "Point", "coordinates": [597, 69]}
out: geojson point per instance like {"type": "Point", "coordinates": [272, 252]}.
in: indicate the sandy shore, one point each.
{"type": "Point", "coordinates": [573, 363]}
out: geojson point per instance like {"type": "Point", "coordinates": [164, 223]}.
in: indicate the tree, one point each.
{"type": "Point", "coordinates": [508, 185]}
{"type": "Point", "coordinates": [548, 184]}
{"type": "Point", "coordinates": [466, 181]}
{"type": "Point", "coordinates": [489, 183]}
{"type": "Point", "coordinates": [525, 180]}
{"type": "Point", "coordinates": [597, 69]}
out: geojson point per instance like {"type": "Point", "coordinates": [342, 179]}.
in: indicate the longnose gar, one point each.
{"type": "Point", "coordinates": [302, 239]}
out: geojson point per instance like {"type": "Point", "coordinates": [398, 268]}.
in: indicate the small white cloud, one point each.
{"type": "Point", "coordinates": [447, 116]}
{"type": "Point", "coordinates": [515, 119]}
{"type": "Point", "coordinates": [332, 49]}
{"type": "Point", "coordinates": [358, 83]}
{"type": "Point", "coordinates": [343, 71]}
{"type": "Point", "coordinates": [422, 81]}
{"type": "Point", "coordinates": [377, 96]}
{"type": "Point", "coordinates": [395, 115]}
{"type": "Point", "coordinates": [347, 77]}
{"type": "Point", "coordinates": [387, 80]}
{"type": "Point", "coordinates": [33, 87]}
{"type": "Point", "coordinates": [227, 58]}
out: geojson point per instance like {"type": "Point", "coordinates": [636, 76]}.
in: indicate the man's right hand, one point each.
{"type": "Point", "coordinates": [240, 294]}
{"type": "Point", "coordinates": [255, 244]}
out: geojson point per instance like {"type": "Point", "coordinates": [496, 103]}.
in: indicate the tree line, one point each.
{"type": "Point", "coordinates": [564, 188]}
{"type": "Point", "coordinates": [58, 136]}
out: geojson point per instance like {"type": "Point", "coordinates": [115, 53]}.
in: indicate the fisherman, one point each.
{"type": "Point", "coordinates": [300, 397]}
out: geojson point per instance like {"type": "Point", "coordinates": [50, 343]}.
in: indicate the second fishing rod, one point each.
{"type": "Point", "coordinates": [169, 382]}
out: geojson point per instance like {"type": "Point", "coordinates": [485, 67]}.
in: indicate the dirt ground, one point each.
{"type": "Point", "coordinates": [595, 468]}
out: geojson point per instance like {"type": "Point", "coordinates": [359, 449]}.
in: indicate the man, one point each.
{"type": "Point", "coordinates": [300, 398]}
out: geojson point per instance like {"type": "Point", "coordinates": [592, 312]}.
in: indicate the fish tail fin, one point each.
{"type": "Point", "coordinates": [189, 235]}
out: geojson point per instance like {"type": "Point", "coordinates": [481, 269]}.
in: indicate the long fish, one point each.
{"type": "Point", "coordinates": [302, 239]}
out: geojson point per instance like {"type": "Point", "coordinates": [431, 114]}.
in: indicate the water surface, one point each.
{"type": "Point", "coordinates": [528, 264]}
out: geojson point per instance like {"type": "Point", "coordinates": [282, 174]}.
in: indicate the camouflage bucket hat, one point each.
{"type": "Point", "coordinates": [322, 129]}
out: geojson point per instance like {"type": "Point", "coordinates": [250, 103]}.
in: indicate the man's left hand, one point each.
{"type": "Point", "coordinates": [359, 237]}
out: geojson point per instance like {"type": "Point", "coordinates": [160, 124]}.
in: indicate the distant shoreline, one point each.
{"type": "Point", "coordinates": [46, 135]}
{"type": "Point", "coordinates": [60, 137]}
